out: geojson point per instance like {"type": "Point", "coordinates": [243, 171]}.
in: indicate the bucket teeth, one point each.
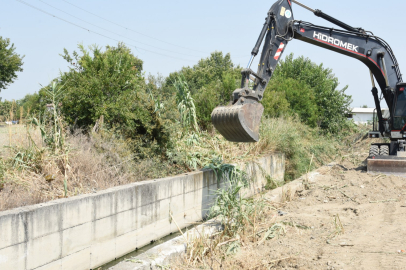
{"type": "Point", "coordinates": [238, 123]}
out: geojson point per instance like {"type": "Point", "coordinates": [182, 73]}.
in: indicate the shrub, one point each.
{"type": "Point", "coordinates": [318, 83]}
{"type": "Point", "coordinates": [109, 85]}
{"type": "Point", "coordinates": [291, 96]}
{"type": "Point", "coordinates": [299, 142]}
{"type": "Point", "coordinates": [10, 63]}
{"type": "Point", "coordinates": [211, 82]}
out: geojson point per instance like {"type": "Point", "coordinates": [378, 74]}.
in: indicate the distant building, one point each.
{"type": "Point", "coordinates": [365, 115]}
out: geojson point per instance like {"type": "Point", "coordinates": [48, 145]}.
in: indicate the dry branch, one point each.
{"type": "Point", "coordinates": [226, 242]}
{"type": "Point", "coordinates": [274, 261]}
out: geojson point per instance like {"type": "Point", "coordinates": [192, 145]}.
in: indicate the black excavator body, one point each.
{"type": "Point", "coordinates": [240, 122]}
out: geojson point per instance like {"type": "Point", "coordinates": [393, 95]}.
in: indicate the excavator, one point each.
{"type": "Point", "coordinates": [240, 121]}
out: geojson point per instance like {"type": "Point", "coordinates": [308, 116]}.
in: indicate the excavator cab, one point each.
{"type": "Point", "coordinates": [399, 116]}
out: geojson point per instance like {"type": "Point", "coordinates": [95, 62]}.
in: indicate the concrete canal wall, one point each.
{"type": "Point", "coordinates": [87, 231]}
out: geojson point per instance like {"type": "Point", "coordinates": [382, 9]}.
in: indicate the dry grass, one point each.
{"type": "Point", "coordinates": [92, 163]}
{"type": "Point", "coordinates": [100, 160]}
{"type": "Point", "coordinates": [224, 251]}
{"type": "Point", "coordinates": [16, 135]}
{"type": "Point", "coordinates": [302, 145]}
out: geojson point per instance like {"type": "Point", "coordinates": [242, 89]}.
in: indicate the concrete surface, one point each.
{"type": "Point", "coordinates": [159, 257]}
{"type": "Point", "coordinates": [87, 231]}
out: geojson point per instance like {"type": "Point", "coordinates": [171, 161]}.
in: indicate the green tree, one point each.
{"type": "Point", "coordinates": [10, 63]}
{"type": "Point", "coordinates": [292, 96]}
{"type": "Point", "coordinates": [98, 82]}
{"type": "Point", "coordinates": [206, 71]}
{"type": "Point", "coordinates": [211, 82]}
{"type": "Point", "coordinates": [110, 84]}
{"type": "Point", "coordinates": [10, 110]}
{"type": "Point", "coordinates": [32, 103]}
{"type": "Point", "coordinates": [275, 103]}
{"type": "Point", "coordinates": [332, 103]}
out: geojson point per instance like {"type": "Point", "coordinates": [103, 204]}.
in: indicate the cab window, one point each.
{"type": "Point", "coordinates": [400, 109]}
{"type": "Point", "coordinates": [399, 120]}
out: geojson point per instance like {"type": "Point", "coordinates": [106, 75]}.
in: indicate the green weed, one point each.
{"type": "Point", "coordinates": [186, 105]}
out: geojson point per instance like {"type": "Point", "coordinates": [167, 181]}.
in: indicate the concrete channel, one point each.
{"type": "Point", "coordinates": [88, 231]}
{"type": "Point", "coordinates": [159, 256]}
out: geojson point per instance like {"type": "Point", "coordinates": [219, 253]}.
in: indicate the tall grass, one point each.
{"type": "Point", "coordinates": [186, 105]}
{"type": "Point", "coordinates": [299, 142]}
{"type": "Point", "coordinates": [284, 135]}
{"type": "Point", "coordinates": [51, 125]}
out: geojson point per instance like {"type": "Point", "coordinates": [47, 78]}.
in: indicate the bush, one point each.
{"type": "Point", "coordinates": [109, 84]}
{"type": "Point", "coordinates": [10, 63]}
{"type": "Point", "coordinates": [291, 96]}
{"type": "Point", "coordinates": [299, 142]}
{"type": "Point", "coordinates": [317, 83]}
{"type": "Point", "coordinates": [211, 83]}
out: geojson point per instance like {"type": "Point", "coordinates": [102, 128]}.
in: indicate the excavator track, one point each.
{"type": "Point", "coordinates": [238, 123]}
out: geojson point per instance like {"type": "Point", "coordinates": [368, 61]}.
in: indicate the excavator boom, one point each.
{"type": "Point", "coordinates": [240, 122]}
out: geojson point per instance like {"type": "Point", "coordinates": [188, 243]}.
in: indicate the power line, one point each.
{"type": "Point", "coordinates": [114, 32]}
{"type": "Point", "coordinates": [91, 31]}
{"type": "Point", "coordinates": [129, 29]}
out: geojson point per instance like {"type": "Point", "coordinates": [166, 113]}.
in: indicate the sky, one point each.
{"type": "Point", "coordinates": [168, 35]}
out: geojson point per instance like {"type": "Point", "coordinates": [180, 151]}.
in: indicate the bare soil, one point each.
{"type": "Point", "coordinates": [347, 219]}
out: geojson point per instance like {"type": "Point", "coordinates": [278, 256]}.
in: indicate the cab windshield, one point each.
{"type": "Point", "coordinates": [399, 120]}
{"type": "Point", "coordinates": [400, 109]}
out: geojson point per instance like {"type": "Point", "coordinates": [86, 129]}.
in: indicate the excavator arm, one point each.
{"type": "Point", "coordinates": [240, 122]}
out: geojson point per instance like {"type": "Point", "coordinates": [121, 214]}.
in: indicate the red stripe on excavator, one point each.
{"type": "Point", "coordinates": [352, 52]}
{"type": "Point", "coordinates": [289, 3]}
{"type": "Point", "coordinates": [279, 51]}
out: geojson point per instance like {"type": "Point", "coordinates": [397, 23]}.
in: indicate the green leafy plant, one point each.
{"type": "Point", "coordinates": [237, 215]}
{"type": "Point", "coordinates": [2, 173]}
{"type": "Point", "coordinates": [230, 206]}
{"type": "Point", "coordinates": [186, 104]}
{"type": "Point", "coordinates": [211, 82]}
{"type": "Point", "coordinates": [311, 91]}
{"type": "Point", "coordinates": [271, 183]}
{"type": "Point", "coordinates": [10, 63]}
{"type": "Point", "coordinates": [26, 158]}
{"type": "Point", "coordinates": [51, 125]}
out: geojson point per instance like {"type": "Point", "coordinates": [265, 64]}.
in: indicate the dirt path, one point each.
{"type": "Point", "coordinates": [370, 208]}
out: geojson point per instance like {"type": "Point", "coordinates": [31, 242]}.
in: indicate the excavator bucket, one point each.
{"type": "Point", "coordinates": [238, 123]}
{"type": "Point", "coordinates": [390, 165]}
